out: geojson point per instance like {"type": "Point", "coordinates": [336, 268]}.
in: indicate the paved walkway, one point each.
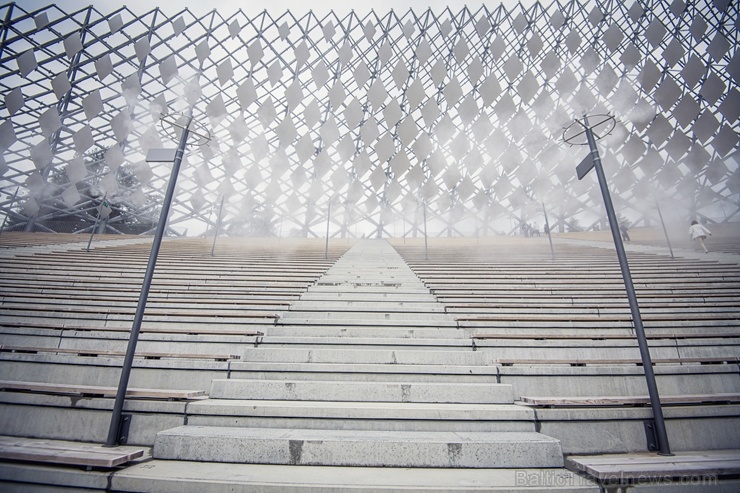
{"type": "Point", "coordinates": [727, 258]}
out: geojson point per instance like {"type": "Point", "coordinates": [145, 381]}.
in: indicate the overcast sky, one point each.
{"type": "Point", "coordinates": [170, 7]}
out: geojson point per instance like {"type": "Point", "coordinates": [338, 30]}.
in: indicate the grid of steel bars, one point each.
{"type": "Point", "coordinates": [372, 118]}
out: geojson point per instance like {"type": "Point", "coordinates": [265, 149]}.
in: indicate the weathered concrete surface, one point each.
{"type": "Point", "coordinates": [621, 430]}
{"type": "Point", "coordinates": [361, 416]}
{"type": "Point", "coordinates": [554, 380]}
{"type": "Point", "coordinates": [200, 477]}
{"type": "Point", "coordinates": [362, 391]}
{"type": "Point", "coordinates": [84, 418]}
{"type": "Point", "coordinates": [380, 356]}
{"type": "Point", "coordinates": [358, 447]}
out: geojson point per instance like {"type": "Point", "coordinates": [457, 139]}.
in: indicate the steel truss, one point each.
{"type": "Point", "coordinates": [373, 118]}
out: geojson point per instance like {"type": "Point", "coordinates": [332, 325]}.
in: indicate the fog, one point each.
{"type": "Point", "coordinates": [367, 132]}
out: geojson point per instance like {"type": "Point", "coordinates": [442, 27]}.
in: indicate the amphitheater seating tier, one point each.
{"type": "Point", "coordinates": [453, 350]}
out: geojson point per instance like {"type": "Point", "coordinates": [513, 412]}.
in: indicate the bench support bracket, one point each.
{"type": "Point", "coordinates": [651, 434]}
{"type": "Point", "coordinates": [123, 429]}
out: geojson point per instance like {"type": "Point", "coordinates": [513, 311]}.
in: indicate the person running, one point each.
{"type": "Point", "coordinates": [624, 229]}
{"type": "Point", "coordinates": [698, 232]}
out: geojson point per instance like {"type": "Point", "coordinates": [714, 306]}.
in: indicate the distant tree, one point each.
{"type": "Point", "coordinates": [125, 217]}
{"type": "Point", "coordinates": [257, 224]}
{"type": "Point", "coordinates": [574, 225]}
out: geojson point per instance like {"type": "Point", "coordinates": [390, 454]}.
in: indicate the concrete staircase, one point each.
{"type": "Point", "coordinates": [477, 368]}
{"type": "Point", "coordinates": [366, 395]}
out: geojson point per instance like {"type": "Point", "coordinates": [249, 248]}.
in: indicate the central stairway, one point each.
{"type": "Point", "coordinates": [365, 370]}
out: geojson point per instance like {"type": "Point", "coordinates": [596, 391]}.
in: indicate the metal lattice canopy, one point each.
{"type": "Point", "coordinates": [370, 118]}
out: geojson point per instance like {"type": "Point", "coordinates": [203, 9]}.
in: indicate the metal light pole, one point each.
{"type": "Point", "coordinates": [583, 168]}
{"type": "Point", "coordinates": [665, 231]}
{"type": "Point", "coordinates": [218, 225]}
{"type": "Point", "coordinates": [328, 217]}
{"type": "Point", "coordinates": [104, 203]}
{"type": "Point", "coordinates": [547, 225]}
{"type": "Point", "coordinates": [114, 431]}
{"type": "Point", "coordinates": [426, 246]}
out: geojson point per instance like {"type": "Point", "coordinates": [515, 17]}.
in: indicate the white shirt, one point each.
{"type": "Point", "coordinates": [697, 230]}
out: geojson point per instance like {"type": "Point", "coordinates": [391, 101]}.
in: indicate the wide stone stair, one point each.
{"type": "Point", "coordinates": [365, 370]}
{"type": "Point", "coordinates": [292, 365]}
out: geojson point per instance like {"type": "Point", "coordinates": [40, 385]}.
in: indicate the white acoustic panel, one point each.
{"type": "Point", "coordinates": [291, 109]}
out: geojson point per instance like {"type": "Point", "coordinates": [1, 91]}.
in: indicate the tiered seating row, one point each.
{"type": "Point", "coordinates": [13, 239]}
{"type": "Point", "coordinates": [67, 305]}
{"type": "Point", "coordinates": [107, 281]}
{"type": "Point", "coordinates": [489, 287]}
{"type": "Point", "coordinates": [532, 313]}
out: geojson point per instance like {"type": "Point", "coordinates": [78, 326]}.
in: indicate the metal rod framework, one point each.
{"type": "Point", "coordinates": [115, 422]}
{"type": "Point", "coordinates": [32, 57]}
{"type": "Point", "coordinates": [647, 363]}
{"type": "Point", "coordinates": [7, 213]}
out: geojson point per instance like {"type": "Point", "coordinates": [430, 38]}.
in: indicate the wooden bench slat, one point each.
{"type": "Point", "coordinates": [43, 387]}
{"type": "Point", "coordinates": [32, 298]}
{"type": "Point", "coordinates": [163, 330]}
{"type": "Point", "coordinates": [629, 400]}
{"type": "Point", "coordinates": [640, 459]}
{"type": "Point", "coordinates": [127, 310]}
{"type": "Point", "coordinates": [703, 335]}
{"type": "Point", "coordinates": [642, 466]}
{"type": "Point", "coordinates": [108, 352]}
{"type": "Point", "coordinates": [68, 453]}
{"type": "Point", "coordinates": [583, 362]}
{"type": "Point", "coordinates": [648, 317]}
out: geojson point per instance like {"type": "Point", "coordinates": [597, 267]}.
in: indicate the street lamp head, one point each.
{"type": "Point", "coordinates": [175, 123]}
{"type": "Point", "coordinates": [601, 126]}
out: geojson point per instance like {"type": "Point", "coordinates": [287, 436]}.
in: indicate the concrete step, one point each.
{"type": "Point", "coordinates": [364, 372]}
{"type": "Point", "coordinates": [303, 390]}
{"type": "Point", "coordinates": [201, 477]}
{"type": "Point", "coordinates": [366, 315]}
{"type": "Point", "coordinates": [370, 275]}
{"type": "Point", "coordinates": [372, 288]}
{"type": "Point", "coordinates": [358, 447]}
{"type": "Point", "coordinates": [365, 320]}
{"type": "Point", "coordinates": [579, 350]}
{"type": "Point", "coordinates": [359, 356]}
{"type": "Point", "coordinates": [362, 340]}
{"type": "Point", "coordinates": [684, 347]}
{"type": "Point", "coordinates": [414, 332]}
{"type": "Point", "coordinates": [380, 416]}
{"type": "Point", "coordinates": [389, 305]}
{"type": "Point", "coordinates": [676, 379]}
{"type": "Point", "coordinates": [374, 330]}
{"type": "Point", "coordinates": [336, 293]}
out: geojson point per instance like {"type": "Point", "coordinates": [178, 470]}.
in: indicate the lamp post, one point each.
{"type": "Point", "coordinates": [218, 225]}
{"type": "Point", "coordinates": [547, 226]}
{"type": "Point", "coordinates": [594, 161]}
{"type": "Point", "coordinates": [154, 155]}
{"type": "Point", "coordinates": [328, 218]}
{"type": "Point", "coordinates": [103, 206]}
{"type": "Point", "coordinates": [665, 231]}
{"type": "Point", "coordinates": [426, 246]}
